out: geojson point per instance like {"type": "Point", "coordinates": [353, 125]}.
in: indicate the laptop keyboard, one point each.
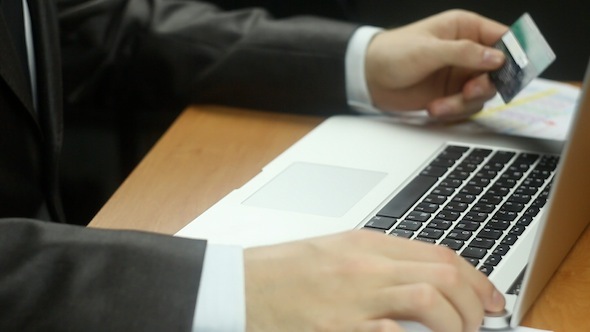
{"type": "Point", "coordinates": [476, 201]}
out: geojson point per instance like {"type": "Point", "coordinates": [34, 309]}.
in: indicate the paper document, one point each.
{"type": "Point", "coordinates": [543, 110]}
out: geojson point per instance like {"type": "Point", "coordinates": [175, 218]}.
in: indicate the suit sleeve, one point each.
{"type": "Point", "coordinates": [169, 53]}
{"type": "Point", "coordinates": [69, 278]}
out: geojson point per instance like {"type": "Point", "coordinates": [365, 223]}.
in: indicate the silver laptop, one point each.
{"type": "Point", "coordinates": [511, 206]}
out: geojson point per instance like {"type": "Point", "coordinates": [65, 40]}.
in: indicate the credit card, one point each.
{"type": "Point", "coordinates": [527, 55]}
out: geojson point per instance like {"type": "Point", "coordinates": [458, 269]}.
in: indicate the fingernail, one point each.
{"type": "Point", "coordinates": [493, 56]}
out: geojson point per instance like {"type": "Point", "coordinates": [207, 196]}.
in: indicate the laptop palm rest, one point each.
{"type": "Point", "coordinates": [316, 189]}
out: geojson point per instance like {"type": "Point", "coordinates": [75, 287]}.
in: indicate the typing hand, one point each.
{"type": "Point", "coordinates": [438, 64]}
{"type": "Point", "coordinates": [363, 281]}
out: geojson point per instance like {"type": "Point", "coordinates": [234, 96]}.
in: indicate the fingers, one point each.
{"type": "Point", "coordinates": [461, 24]}
{"type": "Point", "coordinates": [379, 325]}
{"type": "Point", "coordinates": [466, 103]}
{"type": "Point", "coordinates": [454, 108]}
{"type": "Point", "coordinates": [469, 54]}
{"type": "Point", "coordinates": [488, 31]}
{"type": "Point", "coordinates": [360, 281]}
{"type": "Point", "coordinates": [450, 282]}
{"type": "Point", "coordinates": [478, 88]}
{"type": "Point", "coordinates": [446, 265]}
{"type": "Point", "coordinates": [423, 303]}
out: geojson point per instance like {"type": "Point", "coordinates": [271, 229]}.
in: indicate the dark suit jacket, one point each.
{"type": "Point", "coordinates": [168, 53]}
{"type": "Point", "coordinates": [65, 278]}
{"type": "Point", "coordinates": [153, 53]}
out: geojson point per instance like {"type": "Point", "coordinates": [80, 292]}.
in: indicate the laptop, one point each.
{"type": "Point", "coordinates": [511, 206]}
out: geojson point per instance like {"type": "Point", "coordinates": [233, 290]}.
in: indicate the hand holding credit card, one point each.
{"type": "Point", "coordinates": [527, 55]}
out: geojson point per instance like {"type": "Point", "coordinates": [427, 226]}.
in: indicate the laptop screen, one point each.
{"type": "Point", "coordinates": [567, 211]}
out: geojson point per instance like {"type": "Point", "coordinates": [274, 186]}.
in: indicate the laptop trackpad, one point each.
{"type": "Point", "coordinates": [316, 189]}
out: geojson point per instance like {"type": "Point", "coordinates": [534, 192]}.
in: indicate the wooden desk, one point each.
{"type": "Point", "coordinates": [209, 151]}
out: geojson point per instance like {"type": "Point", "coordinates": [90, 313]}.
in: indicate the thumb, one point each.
{"type": "Point", "coordinates": [468, 54]}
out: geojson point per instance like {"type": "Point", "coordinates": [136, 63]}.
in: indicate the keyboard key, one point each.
{"type": "Point", "coordinates": [498, 191]}
{"type": "Point", "coordinates": [526, 190]}
{"type": "Point", "coordinates": [480, 152]}
{"type": "Point", "coordinates": [532, 211]}
{"type": "Point", "coordinates": [475, 216]}
{"type": "Point", "coordinates": [482, 182]}
{"type": "Point", "coordinates": [409, 225]}
{"type": "Point", "coordinates": [523, 167]}
{"type": "Point", "coordinates": [418, 216]}
{"type": "Point", "coordinates": [493, 166]}
{"type": "Point", "coordinates": [381, 222]}
{"type": "Point", "coordinates": [465, 198]}
{"type": "Point", "coordinates": [451, 183]}
{"type": "Point", "coordinates": [513, 206]}
{"type": "Point", "coordinates": [431, 233]}
{"type": "Point", "coordinates": [548, 163]}
{"type": "Point", "coordinates": [473, 190]}
{"type": "Point", "coordinates": [525, 221]}
{"type": "Point", "coordinates": [459, 235]}
{"type": "Point", "coordinates": [533, 182]}
{"type": "Point", "coordinates": [407, 197]}
{"type": "Point", "coordinates": [448, 215]}
{"type": "Point", "coordinates": [440, 224]}
{"type": "Point", "coordinates": [502, 157]}
{"type": "Point", "coordinates": [526, 158]}
{"type": "Point", "coordinates": [467, 226]}
{"type": "Point", "coordinates": [501, 250]}
{"type": "Point", "coordinates": [539, 202]}
{"type": "Point", "coordinates": [473, 252]}
{"type": "Point", "coordinates": [456, 149]}
{"type": "Point", "coordinates": [506, 182]}
{"type": "Point", "coordinates": [490, 199]}
{"type": "Point", "coordinates": [472, 261]}
{"type": "Point", "coordinates": [490, 233]}
{"type": "Point", "coordinates": [517, 230]}
{"type": "Point", "coordinates": [498, 224]}
{"type": "Point", "coordinates": [435, 199]}
{"type": "Point", "coordinates": [466, 167]}
{"type": "Point", "coordinates": [402, 233]}
{"type": "Point", "coordinates": [443, 191]}
{"type": "Point", "coordinates": [481, 207]}
{"type": "Point", "coordinates": [519, 198]}
{"type": "Point", "coordinates": [493, 260]}
{"type": "Point", "coordinates": [509, 239]}
{"type": "Point", "coordinates": [456, 206]}
{"type": "Point", "coordinates": [443, 162]}
{"type": "Point", "coordinates": [486, 174]}
{"type": "Point", "coordinates": [459, 175]}
{"type": "Point", "coordinates": [425, 239]}
{"type": "Point", "coordinates": [512, 173]}
{"type": "Point", "coordinates": [452, 244]}
{"type": "Point", "coordinates": [479, 242]}
{"type": "Point", "coordinates": [427, 207]}
{"type": "Point", "coordinates": [505, 215]}
{"type": "Point", "coordinates": [434, 171]}
{"type": "Point", "coordinates": [540, 174]}
{"type": "Point", "coordinates": [486, 269]}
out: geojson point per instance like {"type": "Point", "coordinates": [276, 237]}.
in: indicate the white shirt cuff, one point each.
{"type": "Point", "coordinates": [357, 91]}
{"type": "Point", "coordinates": [221, 300]}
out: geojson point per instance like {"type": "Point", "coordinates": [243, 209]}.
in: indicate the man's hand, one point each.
{"type": "Point", "coordinates": [438, 64]}
{"type": "Point", "coordinates": [363, 281]}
